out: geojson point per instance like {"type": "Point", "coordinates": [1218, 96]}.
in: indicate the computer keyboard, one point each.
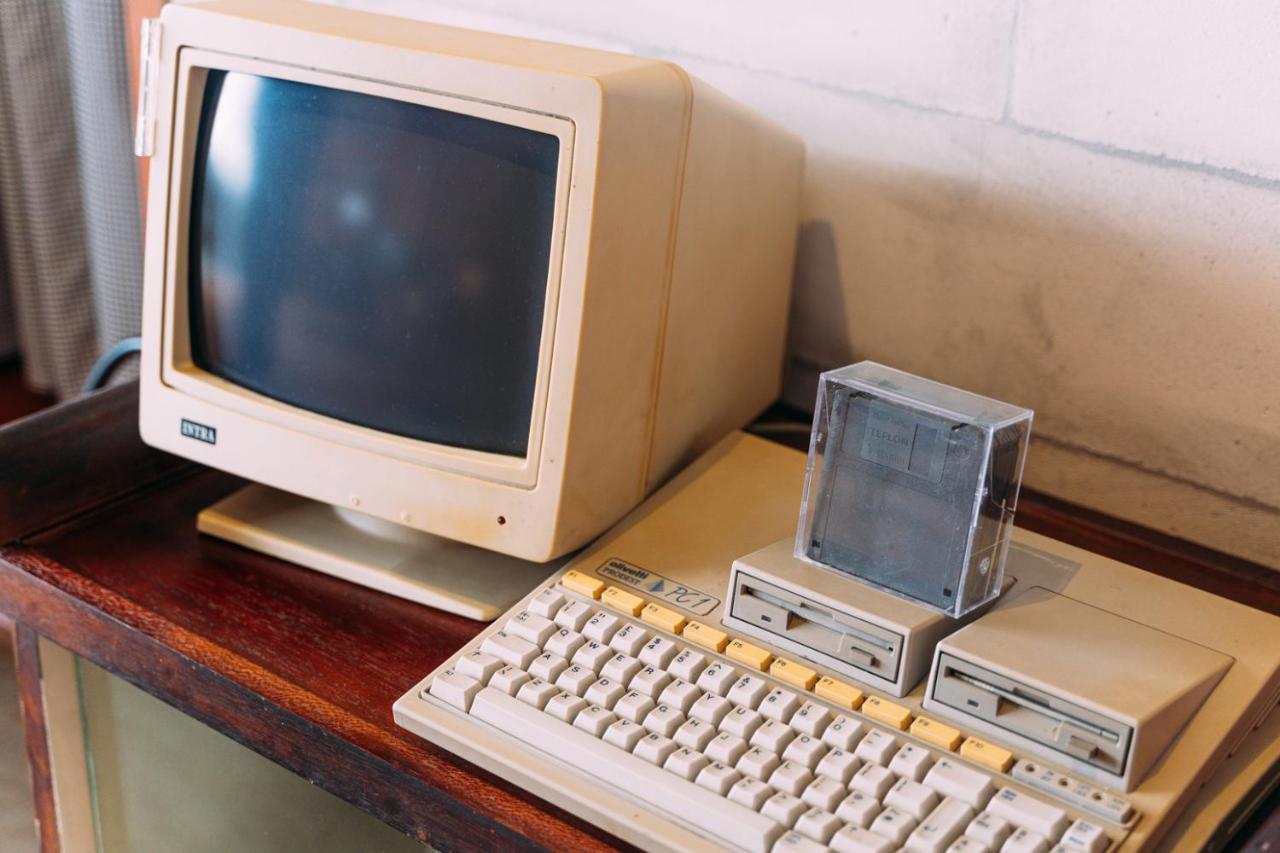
{"type": "Point", "coordinates": [729, 742]}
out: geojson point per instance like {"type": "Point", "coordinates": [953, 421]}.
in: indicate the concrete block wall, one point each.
{"type": "Point", "coordinates": [1071, 206]}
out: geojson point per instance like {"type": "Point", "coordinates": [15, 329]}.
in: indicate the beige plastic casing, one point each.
{"type": "Point", "coordinates": [667, 295]}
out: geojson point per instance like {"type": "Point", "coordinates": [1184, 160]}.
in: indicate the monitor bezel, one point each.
{"type": "Point", "coordinates": [178, 370]}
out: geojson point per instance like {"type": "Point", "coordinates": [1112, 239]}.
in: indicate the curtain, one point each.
{"type": "Point", "coordinates": [70, 232]}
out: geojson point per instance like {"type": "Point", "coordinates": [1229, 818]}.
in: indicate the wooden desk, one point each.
{"type": "Point", "coordinates": [102, 558]}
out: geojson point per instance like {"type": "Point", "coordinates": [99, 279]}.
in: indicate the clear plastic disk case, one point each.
{"type": "Point", "coordinates": [912, 485]}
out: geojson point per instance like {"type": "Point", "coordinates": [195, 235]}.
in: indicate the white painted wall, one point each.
{"type": "Point", "coordinates": [1071, 206]}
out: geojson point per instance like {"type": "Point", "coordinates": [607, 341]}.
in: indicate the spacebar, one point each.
{"type": "Point", "coordinates": [611, 765]}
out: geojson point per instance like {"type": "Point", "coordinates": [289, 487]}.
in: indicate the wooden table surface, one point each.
{"type": "Point", "coordinates": [103, 558]}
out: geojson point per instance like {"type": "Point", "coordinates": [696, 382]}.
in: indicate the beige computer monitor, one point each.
{"type": "Point", "coordinates": [666, 295]}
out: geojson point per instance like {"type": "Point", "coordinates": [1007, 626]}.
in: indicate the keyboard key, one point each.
{"type": "Point", "coordinates": [791, 777]}
{"type": "Point", "coordinates": [877, 747]}
{"type": "Point", "coordinates": [736, 825]}
{"type": "Point", "coordinates": [532, 627]}
{"type": "Point", "coordinates": [510, 650]}
{"type": "Point", "coordinates": [633, 706]}
{"type": "Point", "coordinates": [942, 826]}
{"type": "Point", "coordinates": [989, 829]}
{"type": "Point", "coordinates": [938, 734]}
{"type": "Point", "coordinates": [582, 584]}
{"type": "Point", "coordinates": [658, 652]}
{"type": "Point", "coordinates": [564, 643]}
{"type": "Point", "coordinates": [893, 824]}
{"type": "Point", "coordinates": [963, 844]}
{"type": "Point", "coordinates": [717, 678]}
{"type": "Point", "coordinates": [912, 797]}
{"type": "Point", "coordinates": [1025, 841]}
{"type": "Point", "coordinates": [604, 692]}
{"type": "Point", "coordinates": [655, 749]}
{"type": "Point", "coordinates": [912, 762]}
{"type": "Point", "coordinates": [887, 712]}
{"type": "Point", "coordinates": [784, 808]}
{"type": "Point", "coordinates": [688, 665]}
{"type": "Point", "coordinates": [745, 653]}
{"type": "Point", "coordinates": [478, 665]}
{"type": "Point", "coordinates": [773, 736]}
{"type": "Point", "coordinates": [629, 640]}
{"type": "Point", "coordinates": [547, 603]}
{"type": "Point", "coordinates": [592, 655]}
{"type": "Point", "coordinates": [576, 679]}
{"type": "Point", "coordinates": [536, 692]}
{"type": "Point", "coordinates": [844, 733]}
{"type": "Point", "coordinates": [595, 720]}
{"type": "Point", "coordinates": [574, 616]}
{"type": "Point", "coordinates": [548, 666]}
{"type": "Point", "coordinates": [621, 600]}
{"type": "Point", "coordinates": [851, 839]}
{"type": "Point", "coordinates": [742, 722]}
{"type": "Point", "coordinates": [454, 688]}
{"type": "Point", "coordinates": [844, 695]}
{"type": "Point", "coordinates": [601, 626]}
{"type": "Point", "coordinates": [624, 734]}
{"type": "Point", "coordinates": [811, 719]}
{"type": "Point", "coordinates": [987, 754]}
{"type": "Point", "coordinates": [664, 719]}
{"type": "Point", "coordinates": [759, 763]}
{"type": "Point", "coordinates": [779, 705]}
{"type": "Point", "coordinates": [1025, 810]}
{"type": "Point", "coordinates": [795, 674]}
{"type": "Point", "coordinates": [680, 694]}
{"type": "Point", "coordinates": [621, 668]}
{"type": "Point", "coordinates": [565, 706]}
{"type": "Point", "coordinates": [694, 734]}
{"type": "Point", "coordinates": [806, 750]}
{"type": "Point", "coordinates": [823, 793]}
{"type": "Point", "coordinates": [750, 792]}
{"type": "Point", "coordinates": [719, 777]}
{"type": "Point", "coordinates": [838, 765]}
{"type": "Point", "coordinates": [748, 691]}
{"type": "Point", "coordinates": [858, 809]}
{"type": "Point", "coordinates": [662, 617]}
{"type": "Point", "coordinates": [711, 708]}
{"type": "Point", "coordinates": [818, 824]}
{"type": "Point", "coordinates": [872, 780]}
{"type": "Point", "coordinates": [951, 779]}
{"type": "Point", "coordinates": [1086, 837]}
{"type": "Point", "coordinates": [686, 763]}
{"type": "Point", "coordinates": [650, 681]}
{"type": "Point", "coordinates": [509, 679]}
{"type": "Point", "coordinates": [706, 636]}
{"type": "Point", "coordinates": [727, 748]}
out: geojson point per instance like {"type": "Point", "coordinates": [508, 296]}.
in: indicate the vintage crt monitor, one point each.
{"type": "Point", "coordinates": [482, 294]}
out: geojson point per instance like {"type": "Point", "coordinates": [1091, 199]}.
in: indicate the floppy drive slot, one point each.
{"type": "Point", "coordinates": [1043, 717]}
{"type": "Point", "coordinates": [817, 626]}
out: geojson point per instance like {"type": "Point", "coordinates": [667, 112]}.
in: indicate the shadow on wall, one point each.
{"type": "Point", "coordinates": [1143, 339]}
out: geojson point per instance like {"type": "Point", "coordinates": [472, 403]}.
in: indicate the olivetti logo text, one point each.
{"type": "Point", "coordinates": [199, 432]}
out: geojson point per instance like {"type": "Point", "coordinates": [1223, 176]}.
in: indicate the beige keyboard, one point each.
{"type": "Point", "coordinates": [676, 735]}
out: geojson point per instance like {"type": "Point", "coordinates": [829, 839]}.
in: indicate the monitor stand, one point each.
{"type": "Point", "coordinates": [380, 554]}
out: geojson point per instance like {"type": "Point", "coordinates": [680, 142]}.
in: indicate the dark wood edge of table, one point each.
{"type": "Point", "coordinates": [26, 652]}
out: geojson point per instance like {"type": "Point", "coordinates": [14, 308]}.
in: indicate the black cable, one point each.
{"type": "Point", "coordinates": [103, 367]}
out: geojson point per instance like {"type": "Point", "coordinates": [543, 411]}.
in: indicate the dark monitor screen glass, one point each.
{"type": "Point", "coordinates": [379, 262]}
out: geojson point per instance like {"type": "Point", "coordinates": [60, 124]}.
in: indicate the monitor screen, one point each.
{"type": "Point", "coordinates": [376, 261]}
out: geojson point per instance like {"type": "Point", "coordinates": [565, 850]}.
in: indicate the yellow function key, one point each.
{"type": "Point", "coordinates": [753, 656]}
{"type": "Point", "coordinates": [705, 635]}
{"type": "Point", "coordinates": [936, 733]}
{"type": "Point", "coordinates": [986, 754]}
{"type": "Point", "coordinates": [844, 695]}
{"type": "Point", "coordinates": [620, 599]}
{"type": "Point", "coordinates": [582, 584]}
{"type": "Point", "coordinates": [793, 673]}
{"type": "Point", "coordinates": [662, 617]}
{"type": "Point", "coordinates": [887, 712]}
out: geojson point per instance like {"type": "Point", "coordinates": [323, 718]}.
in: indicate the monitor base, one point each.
{"type": "Point", "coordinates": [382, 555]}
